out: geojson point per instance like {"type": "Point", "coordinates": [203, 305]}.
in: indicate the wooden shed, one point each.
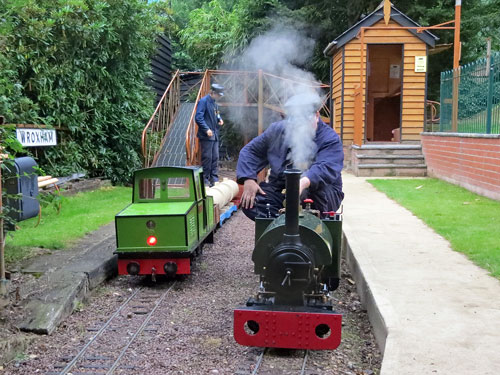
{"type": "Point", "coordinates": [379, 78]}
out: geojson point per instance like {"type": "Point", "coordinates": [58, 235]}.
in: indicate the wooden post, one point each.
{"type": "Point", "coordinates": [4, 295]}
{"type": "Point", "coordinates": [358, 97]}
{"type": "Point", "coordinates": [358, 115]}
{"type": "Point", "coordinates": [245, 88]}
{"type": "Point", "coordinates": [456, 66]}
{"type": "Point", "coordinates": [260, 104]}
{"type": "Point", "coordinates": [260, 123]}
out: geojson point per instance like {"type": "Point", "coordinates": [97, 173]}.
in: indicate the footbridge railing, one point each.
{"type": "Point", "coordinates": [192, 146]}
{"type": "Point", "coordinates": [155, 132]}
{"type": "Point", "coordinates": [259, 89]}
{"type": "Point", "coordinates": [251, 89]}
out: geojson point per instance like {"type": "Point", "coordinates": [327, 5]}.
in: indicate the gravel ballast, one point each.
{"type": "Point", "coordinates": [193, 326]}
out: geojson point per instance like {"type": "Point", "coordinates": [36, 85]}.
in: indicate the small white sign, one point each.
{"type": "Point", "coordinates": [420, 64]}
{"type": "Point", "coordinates": [36, 137]}
{"type": "Point", "coordinates": [394, 71]}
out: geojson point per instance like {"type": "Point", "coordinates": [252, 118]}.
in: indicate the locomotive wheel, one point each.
{"type": "Point", "coordinates": [199, 250]}
{"type": "Point", "coordinates": [332, 283]}
{"type": "Point", "coordinates": [210, 238]}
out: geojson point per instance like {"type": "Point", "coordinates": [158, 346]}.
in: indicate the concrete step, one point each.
{"type": "Point", "coordinates": [380, 170]}
{"type": "Point", "coordinates": [387, 150]}
{"type": "Point", "coordinates": [390, 159]}
{"type": "Point", "coordinates": [388, 146]}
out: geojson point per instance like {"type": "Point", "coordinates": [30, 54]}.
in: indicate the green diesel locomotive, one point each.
{"type": "Point", "coordinates": [170, 218]}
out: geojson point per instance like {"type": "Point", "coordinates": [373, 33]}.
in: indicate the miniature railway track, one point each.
{"type": "Point", "coordinates": [267, 364]}
{"type": "Point", "coordinates": [131, 319]}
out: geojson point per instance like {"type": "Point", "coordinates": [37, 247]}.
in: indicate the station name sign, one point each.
{"type": "Point", "coordinates": [36, 137]}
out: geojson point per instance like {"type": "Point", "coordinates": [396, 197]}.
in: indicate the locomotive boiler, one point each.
{"type": "Point", "coordinates": [297, 256]}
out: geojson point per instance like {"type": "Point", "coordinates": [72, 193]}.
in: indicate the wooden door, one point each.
{"type": "Point", "coordinates": [383, 104]}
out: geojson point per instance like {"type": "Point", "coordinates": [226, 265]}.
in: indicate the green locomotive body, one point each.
{"type": "Point", "coordinates": [166, 224]}
{"type": "Point", "coordinates": [297, 256]}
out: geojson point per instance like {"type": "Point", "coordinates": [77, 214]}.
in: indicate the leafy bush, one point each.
{"type": "Point", "coordinates": [217, 32]}
{"type": "Point", "coordinates": [9, 147]}
{"type": "Point", "coordinates": [80, 66]}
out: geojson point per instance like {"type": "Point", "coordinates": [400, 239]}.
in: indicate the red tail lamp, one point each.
{"type": "Point", "coordinates": [152, 240]}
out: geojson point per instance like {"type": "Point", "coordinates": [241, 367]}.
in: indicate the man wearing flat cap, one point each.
{"type": "Point", "coordinates": [300, 141]}
{"type": "Point", "coordinates": [209, 122]}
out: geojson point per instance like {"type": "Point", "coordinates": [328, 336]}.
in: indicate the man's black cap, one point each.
{"type": "Point", "coordinates": [219, 89]}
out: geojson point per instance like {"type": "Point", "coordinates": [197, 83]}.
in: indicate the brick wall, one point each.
{"type": "Point", "coordinates": [469, 160]}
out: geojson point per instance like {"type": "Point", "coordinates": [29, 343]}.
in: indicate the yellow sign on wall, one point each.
{"type": "Point", "coordinates": [420, 64]}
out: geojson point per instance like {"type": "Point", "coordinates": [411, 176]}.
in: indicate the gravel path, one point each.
{"type": "Point", "coordinates": [191, 332]}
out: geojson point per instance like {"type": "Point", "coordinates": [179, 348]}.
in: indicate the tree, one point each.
{"type": "Point", "coordinates": [208, 34]}
{"type": "Point", "coordinates": [324, 20]}
{"type": "Point", "coordinates": [80, 66]}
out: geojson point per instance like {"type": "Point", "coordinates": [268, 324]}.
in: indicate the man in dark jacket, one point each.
{"type": "Point", "coordinates": [321, 179]}
{"type": "Point", "coordinates": [209, 122]}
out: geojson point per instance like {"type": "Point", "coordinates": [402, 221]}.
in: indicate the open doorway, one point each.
{"type": "Point", "coordinates": [383, 94]}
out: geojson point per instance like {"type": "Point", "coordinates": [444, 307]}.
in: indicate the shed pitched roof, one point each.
{"type": "Point", "coordinates": [374, 17]}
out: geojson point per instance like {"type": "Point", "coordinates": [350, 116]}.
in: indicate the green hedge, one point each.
{"type": "Point", "coordinates": [81, 65]}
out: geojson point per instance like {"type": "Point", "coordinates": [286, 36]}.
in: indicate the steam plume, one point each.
{"type": "Point", "coordinates": [282, 52]}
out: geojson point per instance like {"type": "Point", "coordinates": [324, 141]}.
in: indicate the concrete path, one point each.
{"type": "Point", "coordinates": [433, 310]}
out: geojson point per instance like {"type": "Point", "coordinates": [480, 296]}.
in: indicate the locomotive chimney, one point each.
{"type": "Point", "coordinates": [292, 204]}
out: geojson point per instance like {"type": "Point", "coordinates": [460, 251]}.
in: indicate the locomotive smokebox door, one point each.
{"type": "Point", "coordinates": [21, 178]}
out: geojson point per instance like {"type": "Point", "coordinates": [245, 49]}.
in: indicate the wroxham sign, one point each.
{"type": "Point", "coordinates": [36, 137]}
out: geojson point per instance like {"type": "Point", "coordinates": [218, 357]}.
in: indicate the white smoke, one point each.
{"type": "Point", "coordinates": [282, 52]}
{"type": "Point", "coordinates": [300, 130]}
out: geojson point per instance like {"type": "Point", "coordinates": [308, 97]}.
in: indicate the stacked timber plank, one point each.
{"type": "Point", "coordinates": [44, 181]}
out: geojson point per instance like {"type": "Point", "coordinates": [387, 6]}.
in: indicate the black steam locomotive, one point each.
{"type": "Point", "coordinates": [297, 256]}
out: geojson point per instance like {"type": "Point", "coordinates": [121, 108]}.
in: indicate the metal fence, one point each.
{"type": "Point", "coordinates": [478, 97]}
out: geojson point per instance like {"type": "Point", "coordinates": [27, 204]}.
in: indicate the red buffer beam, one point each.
{"type": "Point", "coordinates": [318, 330]}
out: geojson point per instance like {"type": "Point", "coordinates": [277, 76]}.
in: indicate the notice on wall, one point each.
{"type": "Point", "coordinates": [36, 137]}
{"type": "Point", "coordinates": [394, 71]}
{"type": "Point", "coordinates": [420, 64]}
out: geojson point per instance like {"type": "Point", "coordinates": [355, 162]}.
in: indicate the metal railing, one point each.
{"type": "Point", "coordinates": [478, 97]}
{"type": "Point", "coordinates": [190, 85]}
{"type": "Point", "coordinates": [154, 134]}
{"type": "Point", "coordinates": [251, 89]}
{"type": "Point", "coordinates": [242, 89]}
{"type": "Point", "coordinates": [432, 116]}
{"type": "Point", "coordinates": [192, 144]}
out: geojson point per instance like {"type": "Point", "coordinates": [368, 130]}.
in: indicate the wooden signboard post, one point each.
{"type": "Point", "coordinates": [4, 295]}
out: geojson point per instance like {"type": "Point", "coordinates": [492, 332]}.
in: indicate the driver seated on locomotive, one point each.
{"type": "Point", "coordinates": [303, 140]}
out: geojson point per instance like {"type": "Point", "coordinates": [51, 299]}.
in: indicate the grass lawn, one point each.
{"type": "Point", "coordinates": [470, 222]}
{"type": "Point", "coordinates": [477, 123]}
{"type": "Point", "coordinates": [79, 215]}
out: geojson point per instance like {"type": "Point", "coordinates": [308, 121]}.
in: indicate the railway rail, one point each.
{"type": "Point", "coordinates": [128, 322]}
{"type": "Point", "coordinates": [279, 361]}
